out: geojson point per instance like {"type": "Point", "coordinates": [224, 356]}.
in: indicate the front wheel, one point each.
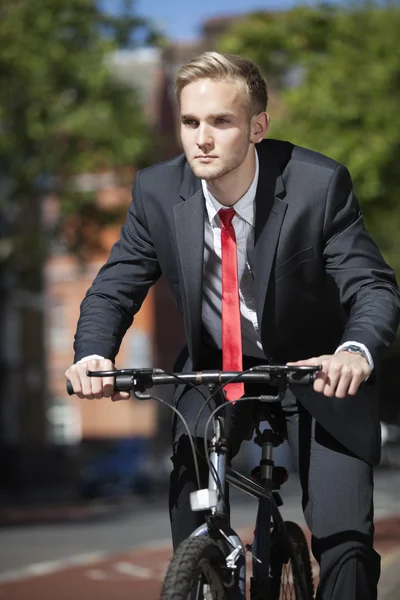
{"type": "Point", "coordinates": [196, 572]}
{"type": "Point", "coordinates": [290, 567]}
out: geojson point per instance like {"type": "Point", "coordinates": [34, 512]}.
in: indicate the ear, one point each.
{"type": "Point", "coordinates": [259, 126]}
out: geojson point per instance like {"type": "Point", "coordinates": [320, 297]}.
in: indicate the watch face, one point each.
{"type": "Point", "coordinates": [357, 350]}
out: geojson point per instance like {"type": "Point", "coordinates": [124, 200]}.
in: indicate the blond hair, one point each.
{"type": "Point", "coordinates": [226, 68]}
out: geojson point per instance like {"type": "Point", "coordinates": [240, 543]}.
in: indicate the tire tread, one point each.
{"type": "Point", "coordinates": [183, 567]}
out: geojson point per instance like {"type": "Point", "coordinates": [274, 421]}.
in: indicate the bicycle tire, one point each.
{"type": "Point", "coordinates": [197, 561]}
{"type": "Point", "coordinates": [289, 566]}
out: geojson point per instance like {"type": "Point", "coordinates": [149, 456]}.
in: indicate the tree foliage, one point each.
{"type": "Point", "coordinates": [61, 111]}
{"type": "Point", "coordinates": [336, 71]}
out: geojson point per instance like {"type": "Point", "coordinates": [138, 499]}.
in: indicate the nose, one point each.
{"type": "Point", "coordinates": [204, 138]}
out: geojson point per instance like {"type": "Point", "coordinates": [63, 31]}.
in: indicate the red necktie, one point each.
{"type": "Point", "coordinates": [231, 331]}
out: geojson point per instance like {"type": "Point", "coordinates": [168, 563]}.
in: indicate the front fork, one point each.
{"type": "Point", "coordinates": [218, 522]}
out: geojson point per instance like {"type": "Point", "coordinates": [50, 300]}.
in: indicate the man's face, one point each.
{"type": "Point", "coordinates": [215, 127]}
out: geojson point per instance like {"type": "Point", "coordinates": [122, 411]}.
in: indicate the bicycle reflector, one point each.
{"type": "Point", "coordinates": [203, 499]}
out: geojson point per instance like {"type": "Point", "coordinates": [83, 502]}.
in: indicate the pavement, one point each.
{"type": "Point", "coordinates": [135, 569]}
{"type": "Point", "coordinates": [139, 573]}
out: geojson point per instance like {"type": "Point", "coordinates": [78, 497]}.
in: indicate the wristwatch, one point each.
{"type": "Point", "coordinates": [355, 350]}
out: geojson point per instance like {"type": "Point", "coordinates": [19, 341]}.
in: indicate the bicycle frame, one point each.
{"type": "Point", "coordinates": [218, 523]}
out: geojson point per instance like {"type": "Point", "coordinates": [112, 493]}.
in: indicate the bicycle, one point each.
{"type": "Point", "coordinates": [211, 563]}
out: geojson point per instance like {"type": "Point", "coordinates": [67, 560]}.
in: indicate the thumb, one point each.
{"type": "Point", "coordinates": [120, 396]}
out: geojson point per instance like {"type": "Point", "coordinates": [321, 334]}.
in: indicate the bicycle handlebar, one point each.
{"type": "Point", "coordinates": [143, 379]}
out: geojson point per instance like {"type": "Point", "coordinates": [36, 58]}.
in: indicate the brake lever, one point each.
{"type": "Point", "coordinates": [101, 373]}
{"type": "Point", "coordinates": [141, 396]}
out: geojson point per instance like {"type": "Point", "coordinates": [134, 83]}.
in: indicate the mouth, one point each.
{"type": "Point", "coordinates": [205, 158]}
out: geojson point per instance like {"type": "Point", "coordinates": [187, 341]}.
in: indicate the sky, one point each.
{"type": "Point", "coordinates": [182, 19]}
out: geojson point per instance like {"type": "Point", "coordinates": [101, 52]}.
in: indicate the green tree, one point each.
{"type": "Point", "coordinates": [336, 72]}
{"type": "Point", "coordinates": [61, 114]}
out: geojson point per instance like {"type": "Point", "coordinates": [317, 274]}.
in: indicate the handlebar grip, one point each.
{"type": "Point", "coordinates": [300, 378]}
{"type": "Point", "coordinates": [124, 382]}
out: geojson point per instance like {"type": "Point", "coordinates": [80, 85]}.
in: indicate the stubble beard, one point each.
{"type": "Point", "coordinates": [212, 172]}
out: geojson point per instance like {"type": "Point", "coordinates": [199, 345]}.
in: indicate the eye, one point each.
{"type": "Point", "coordinates": [189, 122]}
{"type": "Point", "coordinates": [221, 120]}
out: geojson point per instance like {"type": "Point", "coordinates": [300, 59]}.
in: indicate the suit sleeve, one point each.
{"type": "Point", "coordinates": [118, 291]}
{"type": "Point", "coordinates": [367, 285]}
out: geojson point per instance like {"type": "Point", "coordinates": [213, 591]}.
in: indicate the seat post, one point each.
{"type": "Point", "coordinates": [267, 440]}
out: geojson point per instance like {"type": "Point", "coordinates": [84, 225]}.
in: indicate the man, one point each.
{"type": "Point", "coordinates": [300, 281]}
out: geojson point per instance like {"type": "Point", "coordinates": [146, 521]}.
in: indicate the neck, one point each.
{"type": "Point", "coordinates": [229, 188]}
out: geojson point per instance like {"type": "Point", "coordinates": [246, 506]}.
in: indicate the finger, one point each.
{"type": "Point", "coordinates": [306, 362]}
{"type": "Point", "coordinates": [120, 396]}
{"type": "Point", "coordinates": [86, 381]}
{"type": "Point", "coordinates": [346, 378]}
{"type": "Point", "coordinates": [320, 382]}
{"type": "Point", "coordinates": [358, 377]}
{"type": "Point", "coordinates": [108, 387]}
{"type": "Point", "coordinates": [108, 382]}
{"type": "Point", "coordinates": [321, 378]}
{"type": "Point", "coordinates": [315, 361]}
{"type": "Point", "coordinates": [74, 378]}
{"type": "Point", "coordinates": [97, 385]}
{"type": "Point", "coordinates": [334, 371]}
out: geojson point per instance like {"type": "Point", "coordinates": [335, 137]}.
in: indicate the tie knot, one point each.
{"type": "Point", "coordinates": [226, 215]}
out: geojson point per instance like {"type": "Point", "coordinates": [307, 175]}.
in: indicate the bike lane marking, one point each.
{"type": "Point", "coordinates": [108, 577]}
{"type": "Point", "coordinates": [137, 574]}
{"type": "Point", "coordinates": [49, 567]}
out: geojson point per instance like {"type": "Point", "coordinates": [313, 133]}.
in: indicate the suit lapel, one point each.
{"type": "Point", "coordinates": [270, 211]}
{"type": "Point", "coordinates": [189, 227]}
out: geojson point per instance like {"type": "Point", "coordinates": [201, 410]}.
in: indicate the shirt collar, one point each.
{"type": "Point", "coordinates": [244, 207]}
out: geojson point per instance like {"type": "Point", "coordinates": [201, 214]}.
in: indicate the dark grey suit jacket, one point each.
{"type": "Point", "coordinates": [319, 278]}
